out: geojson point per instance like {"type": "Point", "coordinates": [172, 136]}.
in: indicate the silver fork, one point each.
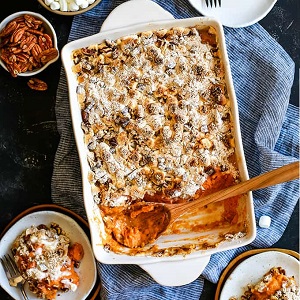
{"type": "Point", "coordinates": [211, 3]}
{"type": "Point", "coordinates": [13, 275]}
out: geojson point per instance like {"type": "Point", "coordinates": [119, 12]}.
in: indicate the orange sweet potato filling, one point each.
{"type": "Point", "coordinates": [274, 285]}
{"type": "Point", "coordinates": [48, 287]}
{"type": "Point", "coordinates": [141, 224]}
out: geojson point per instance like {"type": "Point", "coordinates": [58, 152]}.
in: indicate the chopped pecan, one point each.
{"type": "Point", "coordinates": [37, 84]}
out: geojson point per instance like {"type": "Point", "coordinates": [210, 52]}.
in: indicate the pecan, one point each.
{"type": "Point", "coordinates": [27, 41]}
{"type": "Point", "coordinates": [35, 31]}
{"type": "Point", "coordinates": [37, 84]}
{"type": "Point", "coordinates": [35, 51]}
{"type": "Point", "coordinates": [19, 19]}
{"type": "Point", "coordinates": [22, 25]}
{"type": "Point", "coordinates": [34, 62]}
{"type": "Point", "coordinates": [4, 41]}
{"type": "Point", "coordinates": [24, 66]}
{"type": "Point", "coordinates": [46, 40]}
{"type": "Point", "coordinates": [17, 35]}
{"type": "Point", "coordinates": [48, 55]}
{"type": "Point", "coordinates": [13, 58]}
{"type": "Point", "coordinates": [14, 69]}
{"type": "Point", "coordinates": [22, 57]}
{"type": "Point", "coordinates": [32, 21]}
{"type": "Point", "coordinates": [8, 29]}
{"type": "Point", "coordinates": [29, 46]}
{"type": "Point", "coordinates": [15, 50]}
{"type": "Point", "coordinates": [5, 55]}
{"type": "Point", "coordinates": [10, 70]}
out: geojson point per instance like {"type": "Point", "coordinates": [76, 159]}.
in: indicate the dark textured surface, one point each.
{"type": "Point", "coordinates": [283, 24]}
{"type": "Point", "coordinates": [29, 138]}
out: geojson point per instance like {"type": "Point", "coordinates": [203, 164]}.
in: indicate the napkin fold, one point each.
{"type": "Point", "coordinates": [263, 74]}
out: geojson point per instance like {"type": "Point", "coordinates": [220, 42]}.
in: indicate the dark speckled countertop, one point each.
{"type": "Point", "coordinates": [29, 137]}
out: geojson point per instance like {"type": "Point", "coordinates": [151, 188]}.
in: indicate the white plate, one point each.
{"type": "Point", "coordinates": [132, 12]}
{"type": "Point", "coordinates": [251, 271]}
{"type": "Point", "coordinates": [236, 13]}
{"type": "Point", "coordinates": [87, 270]}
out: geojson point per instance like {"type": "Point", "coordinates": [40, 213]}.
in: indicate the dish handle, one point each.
{"type": "Point", "coordinates": [176, 273]}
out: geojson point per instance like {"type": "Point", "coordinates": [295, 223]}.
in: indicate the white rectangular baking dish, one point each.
{"type": "Point", "coordinates": [92, 210]}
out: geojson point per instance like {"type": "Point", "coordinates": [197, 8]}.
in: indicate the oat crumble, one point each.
{"type": "Point", "coordinates": [156, 114]}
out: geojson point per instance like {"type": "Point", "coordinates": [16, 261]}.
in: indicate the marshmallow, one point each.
{"type": "Point", "coordinates": [63, 5]}
{"type": "Point", "coordinates": [84, 4]}
{"type": "Point", "coordinates": [264, 222]}
{"type": "Point", "coordinates": [55, 5]}
{"type": "Point", "coordinates": [73, 6]}
{"type": "Point", "coordinates": [48, 2]}
{"type": "Point", "coordinates": [78, 2]}
{"type": "Point", "coordinates": [68, 5]}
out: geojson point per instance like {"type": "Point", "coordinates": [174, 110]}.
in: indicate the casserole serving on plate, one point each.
{"type": "Point", "coordinates": [155, 120]}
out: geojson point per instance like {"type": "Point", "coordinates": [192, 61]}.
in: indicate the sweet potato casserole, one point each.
{"type": "Point", "coordinates": [47, 260]}
{"type": "Point", "coordinates": [157, 123]}
{"type": "Point", "coordinates": [275, 285]}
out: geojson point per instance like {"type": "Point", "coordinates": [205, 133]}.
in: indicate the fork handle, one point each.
{"type": "Point", "coordinates": [23, 292]}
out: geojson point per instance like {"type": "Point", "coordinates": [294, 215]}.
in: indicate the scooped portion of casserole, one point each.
{"type": "Point", "coordinates": [275, 285]}
{"type": "Point", "coordinates": [156, 117]}
{"type": "Point", "coordinates": [47, 260]}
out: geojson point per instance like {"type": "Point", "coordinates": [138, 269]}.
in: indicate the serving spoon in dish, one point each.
{"type": "Point", "coordinates": [142, 223]}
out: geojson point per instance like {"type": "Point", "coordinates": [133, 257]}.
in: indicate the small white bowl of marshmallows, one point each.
{"type": "Point", "coordinates": [69, 7]}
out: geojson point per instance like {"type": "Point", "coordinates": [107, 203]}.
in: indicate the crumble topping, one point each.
{"type": "Point", "coordinates": [275, 285]}
{"type": "Point", "coordinates": [46, 260]}
{"type": "Point", "coordinates": [156, 114]}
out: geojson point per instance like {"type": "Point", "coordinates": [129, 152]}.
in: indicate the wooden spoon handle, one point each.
{"type": "Point", "coordinates": [282, 174]}
{"type": "Point", "coordinates": [286, 173]}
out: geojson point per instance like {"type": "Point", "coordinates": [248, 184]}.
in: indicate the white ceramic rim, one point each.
{"type": "Point", "coordinates": [245, 15]}
{"type": "Point", "coordinates": [252, 269]}
{"type": "Point", "coordinates": [48, 24]}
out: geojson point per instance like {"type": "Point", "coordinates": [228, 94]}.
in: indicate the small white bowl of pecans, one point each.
{"type": "Point", "coordinates": [28, 44]}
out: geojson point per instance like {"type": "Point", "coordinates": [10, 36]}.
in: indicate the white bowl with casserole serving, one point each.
{"type": "Point", "coordinates": [86, 271]}
{"type": "Point", "coordinates": [195, 235]}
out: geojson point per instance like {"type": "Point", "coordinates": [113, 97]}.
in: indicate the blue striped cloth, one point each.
{"type": "Point", "coordinates": [263, 74]}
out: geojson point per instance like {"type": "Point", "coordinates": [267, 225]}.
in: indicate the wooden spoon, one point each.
{"type": "Point", "coordinates": [283, 174]}
{"type": "Point", "coordinates": [142, 223]}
